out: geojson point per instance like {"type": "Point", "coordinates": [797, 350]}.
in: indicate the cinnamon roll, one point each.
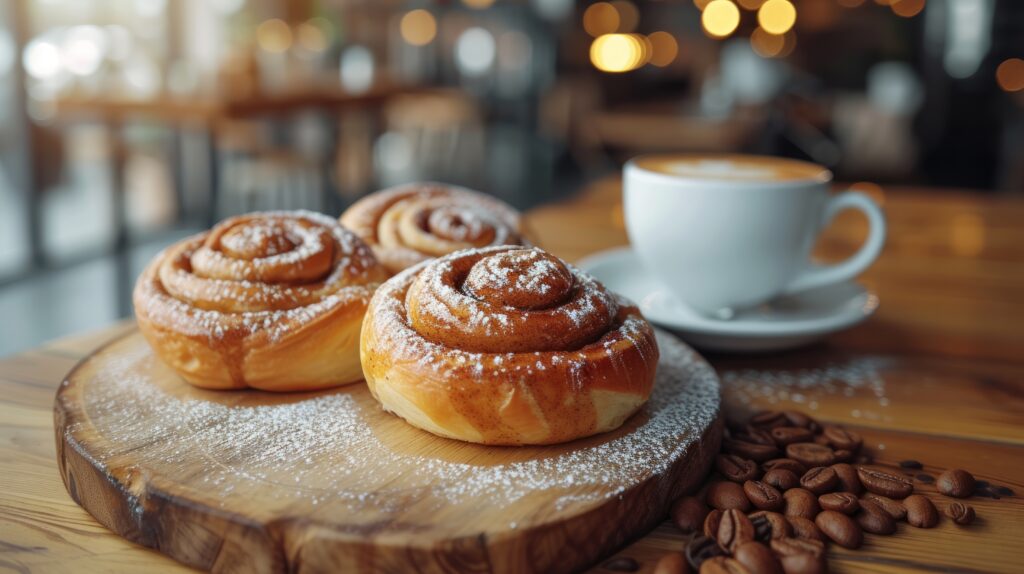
{"type": "Point", "coordinates": [411, 223]}
{"type": "Point", "coordinates": [271, 300]}
{"type": "Point", "coordinates": [506, 346]}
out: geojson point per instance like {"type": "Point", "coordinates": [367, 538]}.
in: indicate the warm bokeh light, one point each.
{"type": "Point", "coordinates": [720, 18]}
{"type": "Point", "coordinates": [664, 49]}
{"type": "Point", "coordinates": [600, 18]}
{"type": "Point", "coordinates": [274, 36]}
{"type": "Point", "coordinates": [776, 16]}
{"type": "Point", "coordinates": [967, 236]}
{"type": "Point", "coordinates": [418, 27]}
{"type": "Point", "coordinates": [1010, 75]}
{"type": "Point", "coordinates": [767, 45]}
{"type": "Point", "coordinates": [629, 16]}
{"type": "Point", "coordinates": [907, 8]}
{"type": "Point", "coordinates": [478, 4]}
{"type": "Point", "coordinates": [312, 34]}
{"type": "Point", "coordinates": [750, 4]}
{"type": "Point", "coordinates": [619, 52]}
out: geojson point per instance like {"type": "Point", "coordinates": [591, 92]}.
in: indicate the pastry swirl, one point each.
{"type": "Point", "coordinates": [506, 346]}
{"type": "Point", "coordinates": [270, 300]}
{"type": "Point", "coordinates": [411, 223]}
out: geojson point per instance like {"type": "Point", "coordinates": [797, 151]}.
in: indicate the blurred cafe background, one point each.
{"type": "Point", "coordinates": [128, 124]}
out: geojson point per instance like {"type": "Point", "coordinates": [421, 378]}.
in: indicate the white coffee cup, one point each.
{"type": "Point", "coordinates": [725, 232]}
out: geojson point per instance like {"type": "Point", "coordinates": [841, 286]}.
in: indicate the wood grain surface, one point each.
{"type": "Point", "coordinates": [947, 346]}
{"type": "Point", "coordinates": [326, 481]}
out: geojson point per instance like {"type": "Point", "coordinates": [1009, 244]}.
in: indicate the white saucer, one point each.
{"type": "Point", "coordinates": [784, 323]}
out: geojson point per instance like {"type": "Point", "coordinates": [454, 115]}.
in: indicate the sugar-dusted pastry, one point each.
{"type": "Point", "coordinates": [270, 300]}
{"type": "Point", "coordinates": [411, 223]}
{"type": "Point", "coordinates": [506, 346]}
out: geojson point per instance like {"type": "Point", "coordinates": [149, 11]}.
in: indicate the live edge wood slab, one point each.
{"type": "Point", "coordinates": [946, 342]}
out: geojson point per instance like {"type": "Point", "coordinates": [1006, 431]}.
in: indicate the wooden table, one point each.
{"type": "Point", "coordinates": [937, 375]}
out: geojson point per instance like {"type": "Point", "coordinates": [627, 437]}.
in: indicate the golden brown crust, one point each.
{"type": "Point", "coordinates": [271, 300]}
{"type": "Point", "coordinates": [496, 346]}
{"type": "Point", "coordinates": [407, 224]}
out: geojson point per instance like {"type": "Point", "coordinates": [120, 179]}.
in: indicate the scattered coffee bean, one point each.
{"type": "Point", "coordinates": [957, 483]}
{"type": "Point", "coordinates": [672, 563]}
{"type": "Point", "coordinates": [722, 565]}
{"type": "Point", "coordinates": [884, 483]}
{"type": "Point", "coordinates": [621, 564]}
{"type": "Point", "coordinates": [768, 419]}
{"type": "Point", "coordinates": [784, 464]}
{"type": "Point", "coordinates": [893, 508]}
{"type": "Point", "coordinates": [805, 528]}
{"type": "Point", "coordinates": [781, 479]}
{"type": "Point", "coordinates": [757, 436]}
{"type": "Point", "coordinates": [924, 478]}
{"type": "Point", "coordinates": [960, 513]}
{"type": "Point", "coordinates": [799, 556]}
{"type": "Point", "coordinates": [790, 435]}
{"type": "Point", "coordinates": [840, 502]}
{"type": "Point", "coordinates": [840, 438]}
{"type": "Point", "coordinates": [810, 454]}
{"type": "Point", "coordinates": [912, 464]}
{"type": "Point", "coordinates": [820, 479]}
{"type": "Point", "coordinates": [711, 522]}
{"type": "Point", "coordinates": [840, 528]}
{"type": "Point", "coordinates": [848, 480]}
{"type": "Point", "coordinates": [821, 439]}
{"type": "Point", "coordinates": [874, 519]}
{"type": "Point", "coordinates": [700, 549]}
{"type": "Point", "coordinates": [801, 502]}
{"type": "Point", "coordinates": [751, 450]}
{"type": "Point", "coordinates": [726, 495]}
{"type": "Point", "coordinates": [757, 558]}
{"type": "Point", "coordinates": [734, 529]}
{"type": "Point", "coordinates": [1004, 490]}
{"type": "Point", "coordinates": [762, 496]}
{"type": "Point", "coordinates": [921, 512]}
{"type": "Point", "coordinates": [688, 513]}
{"type": "Point", "coordinates": [736, 468]}
{"type": "Point", "coordinates": [843, 455]}
{"type": "Point", "coordinates": [768, 525]}
{"type": "Point", "coordinates": [798, 419]}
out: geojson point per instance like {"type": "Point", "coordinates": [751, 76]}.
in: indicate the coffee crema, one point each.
{"type": "Point", "coordinates": [732, 167]}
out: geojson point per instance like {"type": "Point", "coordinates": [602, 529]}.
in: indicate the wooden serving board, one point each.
{"type": "Point", "coordinates": [328, 481]}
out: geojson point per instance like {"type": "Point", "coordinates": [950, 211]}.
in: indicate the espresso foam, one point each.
{"type": "Point", "coordinates": [732, 167]}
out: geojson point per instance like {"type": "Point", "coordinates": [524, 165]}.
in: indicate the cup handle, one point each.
{"type": "Point", "coordinates": [819, 275]}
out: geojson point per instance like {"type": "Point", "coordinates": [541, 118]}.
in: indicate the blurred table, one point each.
{"type": "Point", "coordinates": [945, 351]}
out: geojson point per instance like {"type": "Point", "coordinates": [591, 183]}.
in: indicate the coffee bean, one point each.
{"type": "Point", "coordinates": [688, 513]}
{"type": "Point", "coordinates": [723, 565]}
{"type": "Point", "coordinates": [848, 480]}
{"type": "Point", "coordinates": [821, 439]}
{"type": "Point", "coordinates": [840, 502]}
{"type": "Point", "coordinates": [893, 508]}
{"type": "Point", "coordinates": [925, 478]}
{"type": "Point", "coordinates": [790, 435]}
{"type": "Point", "coordinates": [820, 479]}
{"type": "Point", "coordinates": [768, 419]}
{"type": "Point", "coordinates": [799, 556]}
{"type": "Point", "coordinates": [884, 483]}
{"type": "Point", "coordinates": [781, 479]}
{"type": "Point", "coordinates": [874, 519]}
{"type": "Point", "coordinates": [751, 450]}
{"type": "Point", "coordinates": [768, 525]}
{"type": "Point", "coordinates": [810, 454]}
{"type": "Point", "coordinates": [734, 529]}
{"type": "Point", "coordinates": [711, 522]}
{"type": "Point", "coordinates": [957, 483]}
{"type": "Point", "coordinates": [757, 558]}
{"type": "Point", "coordinates": [700, 549]}
{"type": "Point", "coordinates": [736, 468]}
{"type": "Point", "coordinates": [843, 455]}
{"type": "Point", "coordinates": [798, 419]}
{"type": "Point", "coordinates": [672, 563]}
{"type": "Point", "coordinates": [757, 436]}
{"type": "Point", "coordinates": [801, 502]}
{"type": "Point", "coordinates": [621, 564]}
{"type": "Point", "coordinates": [726, 495]}
{"type": "Point", "coordinates": [784, 464]}
{"type": "Point", "coordinates": [840, 528]}
{"type": "Point", "coordinates": [921, 512]}
{"type": "Point", "coordinates": [838, 437]}
{"type": "Point", "coordinates": [805, 528]}
{"type": "Point", "coordinates": [912, 464]}
{"type": "Point", "coordinates": [960, 513]}
{"type": "Point", "coordinates": [762, 496]}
